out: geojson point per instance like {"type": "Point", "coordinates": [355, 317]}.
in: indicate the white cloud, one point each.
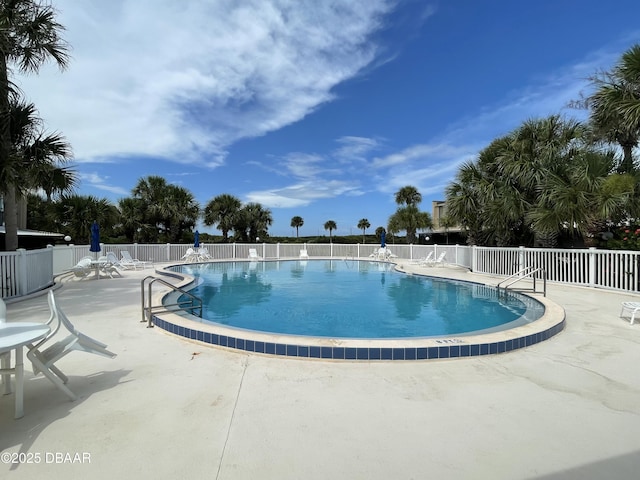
{"type": "Point", "coordinates": [184, 80]}
{"type": "Point", "coordinates": [304, 193]}
{"type": "Point", "coordinates": [94, 180]}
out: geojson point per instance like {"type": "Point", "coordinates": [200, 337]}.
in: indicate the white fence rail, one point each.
{"type": "Point", "coordinates": [24, 272]}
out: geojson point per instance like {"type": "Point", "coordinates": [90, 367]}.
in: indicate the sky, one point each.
{"type": "Point", "coordinates": [321, 109]}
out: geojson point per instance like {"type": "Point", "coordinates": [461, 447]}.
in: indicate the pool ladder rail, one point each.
{"type": "Point", "coordinates": [528, 272]}
{"type": "Point", "coordinates": [192, 305]}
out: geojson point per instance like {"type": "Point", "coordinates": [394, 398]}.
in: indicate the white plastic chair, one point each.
{"type": "Point", "coordinates": [304, 254]}
{"type": "Point", "coordinates": [44, 360]}
{"type": "Point", "coordinates": [633, 307]}
{"type": "Point", "coordinates": [129, 262]}
{"type": "Point", "coordinates": [83, 267]}
{"type": "Point", "coordinates": [438, 261]}
{"type": "Point", "coordinates": [253, 254]}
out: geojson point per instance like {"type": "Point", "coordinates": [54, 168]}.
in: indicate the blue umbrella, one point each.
{"type": "Point", "coordinates": [95, 237]}
{"type": "Point", "coordinates": [383, 238]}
{"type": "Point", "coordinates": [196, 241]}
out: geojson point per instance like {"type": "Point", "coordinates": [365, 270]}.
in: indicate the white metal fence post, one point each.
{"type": "Point", "coordinates": [521, 257]}
{"type": "Point", "coordinates": [21, 268]}
{"type": "Point", "coordinates": [592, 266]}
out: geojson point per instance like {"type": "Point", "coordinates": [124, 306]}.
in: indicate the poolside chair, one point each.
{"type": "Point", "coordinates": [83, 267]}
{"type": "Point", "coordinates": [203, 254]}
{"type": "Point", "coordinates": [438, 261]}
{"type": "Point", "coordinates": [253, 254]}
{"type": "Point", "coordinates": [424, 260]}
{"type": "Point", "coordinates": [44, 360]}
{"type": "Point", "coordinates": [633, 308]}
{"type": "Point", "coordinates": [304, 254]}
{"type": "Point", "coordinates": [189, 256]}
{"type": "Point", "coordinates": [130, 262]}
{"type": "Point", "coordinates": [111, 265]}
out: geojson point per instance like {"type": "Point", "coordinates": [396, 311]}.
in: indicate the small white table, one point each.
{"type": "Point", "coordinates": [15, 336]}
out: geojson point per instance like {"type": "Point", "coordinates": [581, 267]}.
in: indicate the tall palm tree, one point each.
{"type": "Point", "coordinates": [410, 219]}
{"type": "Point", "coordinates": [256, 220]}
{"type": "Point", "coordinates": [76, 213]}
{"type": "Point", "coordinates": [35, 155]}
{"type": "Point", "coordinates": [408, 196]}
{"type": "Point", "coordinates": [615, 106]}
{"type": "Point", "coordinates": [222, 210]}
{"type": "Point", "coordinates": [29, 36]}
{"type": "Point", "coordinates": [297, 222]}
{"type": "Point", "coordinates": [363, 224]}
{"type": "Point", "coordinates": [331, 226]}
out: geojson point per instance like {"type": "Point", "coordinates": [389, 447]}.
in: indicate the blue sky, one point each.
{"type": "Point", "coordinates": [316, 108]}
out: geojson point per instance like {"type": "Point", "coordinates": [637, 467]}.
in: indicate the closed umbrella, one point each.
{"type": "Point", "coordinates": [383, 238]}
{"type": "Point", "coordinates": [95, 243]}
{"type": "Point", "coordinates": [196, 239]}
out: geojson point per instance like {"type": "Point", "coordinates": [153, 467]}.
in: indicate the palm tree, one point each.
{"type": "Point", "coordinates": [408, 196]}
{"type": "Point", "coordinates": [255, 221]}
{"type": "Point", "coordinates": [29, 37]}
{"type": "Point", "coordinates": [331, 226]}
{"type": "Point", "coordinates": [615, 106]}
{"type": "Point", "coordinates": [76, 213]}
{"type": "Point", "coordinates": [410, 219]}
{"type": "Point", "coordinates": [297, 222]}
{"type": "Point", "coordinates": [363, 224]}
{"type": "Point", "coordinates": [170, 209]}
{"type": "Point", "coordinates": [222, 210]}
{"type": "Point", "coordinates": [35, 156]}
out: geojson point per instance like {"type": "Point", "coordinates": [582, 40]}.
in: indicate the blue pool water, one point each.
{"type": "Point", "coordinates": [351, 299]}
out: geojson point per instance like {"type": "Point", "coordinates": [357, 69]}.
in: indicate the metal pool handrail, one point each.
{"type": "Point", "coordinates": [191, 305]}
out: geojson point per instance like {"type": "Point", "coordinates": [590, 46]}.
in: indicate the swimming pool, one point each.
{"type": "Point", "coordinates": [512, 335]}
{"type": "Point", "coordinates": [351, 299]}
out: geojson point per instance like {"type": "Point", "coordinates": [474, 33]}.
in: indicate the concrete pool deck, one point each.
{"type": "Point", "coordinates": [565, 408]}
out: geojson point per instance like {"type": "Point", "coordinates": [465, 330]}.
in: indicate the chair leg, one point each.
{"type": "Point", "coordinates": [633, 316]}
{"type": "Point", "coordinates": [50, 375]}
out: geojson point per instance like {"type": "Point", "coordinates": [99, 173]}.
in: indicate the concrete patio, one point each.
{"type": "Point", "coordinates": [168, 408]}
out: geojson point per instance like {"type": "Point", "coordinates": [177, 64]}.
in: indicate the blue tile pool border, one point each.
{"type": "Point", "coordinates": [458, 350]}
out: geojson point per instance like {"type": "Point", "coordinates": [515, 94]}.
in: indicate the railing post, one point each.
{"type": "Point", "coordinates": [473, 259]}
{"type": "Point", "coordinates": [592, 266]}
{"type": "Point", "coordinates": [21, 268]}
{"type": "Point", "coordinates": [168, 252]}
{"type": "Point", "coordinates": [411, 251]}
{"type": "Point", "coordinates": [521, 265]}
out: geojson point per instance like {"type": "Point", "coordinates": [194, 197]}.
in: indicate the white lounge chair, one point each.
{"type": "Point", "coordinates": [304, 254]}
{"type": "Point", "coordinates": [423, 260]}
{"type": "Point", "coordinates": [253, 254]}
{"type": "Point", "coordinates": [111, 265]}
{"type": "Point", "coordinates": [203, 254]}
{"type": "Point", "coordinates": [633, 308]}
{"type": "Point", "coordinates": [83, 267]}
{"type": "Point", "coordinates": [438, 261]}
{"type": "Point", "coordinates": [130, 262]}
{"type": "Point", "coordinates": [189, 255]}
{"type": "Point", "coordinates": [44, 360]}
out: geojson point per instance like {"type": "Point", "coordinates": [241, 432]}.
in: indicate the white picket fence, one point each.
{"type": "Point", "coordinates": [24, 272]}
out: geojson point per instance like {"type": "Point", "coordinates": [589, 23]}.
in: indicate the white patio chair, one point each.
{"type": "Point", "coordinates": [633, 307]}
{"type": "Point", "coordinates": [129, 262]}
{"type": "Point", "coordinates": [253, 254]}
{"type": "Point", "coordinates": [304, 254]}
{"type": "Point", "coordinates": [424, 260]}
{"type": "Point", "coordinates": [83, 267]}
{"type": "Point", "coordinates": [438, 261]}
{"type": "Point", "coordinates": [189, 256]}
{"type": "Point", "coordinates": [203, 254]}
{"type": "Point", "coordinates": [44, 359]}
